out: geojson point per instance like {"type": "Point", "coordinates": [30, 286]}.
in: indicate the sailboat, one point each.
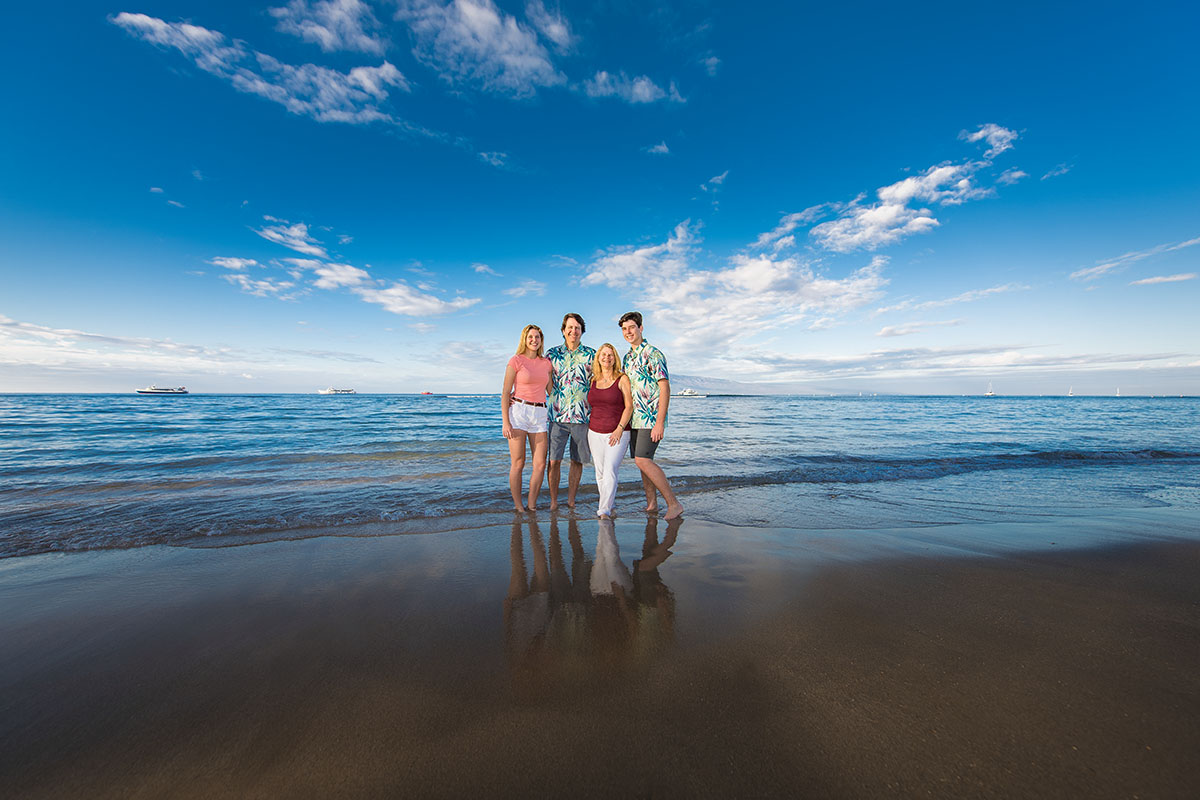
{"type": "Point", "coordinates": [1071, 392]}
{"type": "Point", "coordinates": [989, 392]}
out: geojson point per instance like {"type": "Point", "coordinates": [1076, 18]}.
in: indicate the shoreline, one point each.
{"type": "Point", "coordinates": [755, 661]}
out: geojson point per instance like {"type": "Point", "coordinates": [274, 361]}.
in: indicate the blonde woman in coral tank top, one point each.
{"type": "Point", "coordinates": [523, 410]}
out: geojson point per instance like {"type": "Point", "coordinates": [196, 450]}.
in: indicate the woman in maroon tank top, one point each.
{"type": "Point", "coordinates": [608, 428]}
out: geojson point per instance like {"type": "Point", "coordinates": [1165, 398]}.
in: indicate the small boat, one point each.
{"type": "Point", "coordinates": [1071, 392]}
{"type": "Point", "coordinates": [426, 392]}
{"type": "Point", "coordinates": [332, 390]}
{"type": "Point", "coordinates": [989, 392]}
{"type": "Point", "coordinates": [688, 393]}
{"type": "Point", "coordinates": [152, 389]}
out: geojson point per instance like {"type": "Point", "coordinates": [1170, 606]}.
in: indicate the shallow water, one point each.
{"type": "Point", "coordinates": [112, 471]}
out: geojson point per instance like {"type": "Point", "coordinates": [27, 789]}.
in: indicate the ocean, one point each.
{"type": "Point", "coordinates": [86, 472]}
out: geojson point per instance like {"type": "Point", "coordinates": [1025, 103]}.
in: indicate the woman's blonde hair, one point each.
{"type": "Point", "coordinates": [522, 349]}
{"type": "Point", "coordinates": [618, 370]}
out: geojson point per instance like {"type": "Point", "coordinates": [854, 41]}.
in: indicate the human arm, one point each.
{"type": "Point", "coordinates": [627, 394]}
{"type": "Point", "coordinates": [510, 376]}
{"type": "Point", "coordinates": [660, 419]}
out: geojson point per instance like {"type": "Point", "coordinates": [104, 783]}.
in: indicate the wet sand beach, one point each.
{"type": "Point", "coordinates": [1050, 660]}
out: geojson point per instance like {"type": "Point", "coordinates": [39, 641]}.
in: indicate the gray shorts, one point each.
{"type": "Point", "coordinates": [640, 443]}
{"type": "Point", "coordinates": [576, 432]}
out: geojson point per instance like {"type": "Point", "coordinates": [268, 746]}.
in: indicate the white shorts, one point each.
{"type": "Point", "coordinates": [531, 419]}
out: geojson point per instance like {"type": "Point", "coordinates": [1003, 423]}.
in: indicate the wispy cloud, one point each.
{"type": "Point", "coordinates": [294, 237]}
{"type": "Point", "coordinates": [1061, 169]}
{"type": "Point", "coordinates": [230, 262]}
{"type": "Point", "coordinates": [527, 287]}
{"type": "Point", "coordinates": [319, 93]}
{"type": "Point", "coordinates": [176, 203]}
{"type": "Point", "coordinates": [1091, 273]}
{"type": "Point", "coordinates": [1183, 276]}
{"type": "Point", "coordinates": [711, 307]}
{"type": "Point", "coordinates": [632, 90]}
{"type": "Point", "coordinates": [551, 24]}
{"type": "Point", "coordinates": [198, 175]}
{"type": "Point", "coordinates": [156, 190]}
{"type": "Point", "coordinates": [1011, 176]}
{"type": "Point", "coordinates": [999, 139]}
{"type": "Point", "coordinates": [263, 287]}
{"type": "Point", "coordinates": [915, 327]}
{"type": "Point", "coordinates": [659, 149]}
{"type": "Point", "coordinates": [475, 43]}
{"type": "Point", "coordinates": [714, 183]}
{"type": "Point", "coordinates": [711, 65]}
{"type": "Point", "coordinates": [495, 159]}
{"type": "Point", "coordinates": [869, 226]}
{"type": "Point", "coordinates": [332, 25]}
{"type": "Point", "coordinates": [484, 269]}
{"type": "Point", "coordinates": [966, 297]}
{"type": "Point", "coordinates": [782, 236]}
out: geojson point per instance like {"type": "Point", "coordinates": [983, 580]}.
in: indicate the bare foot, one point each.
{"type": "Point", "coordinates": [604, 516]}
{"type": "Point", "coordinates": [570, 504]}
{"type": "Point", "coordinates": [674, 511]}
{"type": "Point", "coordinates": [652, 509]}
{"type": "Point", "coordinates": [519, 509]}
{"type": "Point", "coordinates": [553, 505]}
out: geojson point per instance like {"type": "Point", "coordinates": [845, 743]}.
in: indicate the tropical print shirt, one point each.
{"type": "Point", "coordinates": [646, 366]}
{"type": "Point", "coordinates": [572, 379]}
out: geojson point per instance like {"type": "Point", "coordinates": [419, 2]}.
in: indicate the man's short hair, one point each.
{"type": "Point", "coordinates": [630, 315]}
{"type": "Point", "coordinates": [577, 318]}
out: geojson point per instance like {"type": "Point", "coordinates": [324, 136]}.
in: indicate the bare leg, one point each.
{"type": "Point", "coordinates": [540, 445]}
{"type": "Point", "coordinates": [648, 487]}
{"type": "Point", "coordinates": [652, 473]}
{"type": "Point", "coordinates": [574, 475]}
{"type": "Point", "coordinates": [553, 475]}
{"type": "Point", "coordinates": [516, 456]}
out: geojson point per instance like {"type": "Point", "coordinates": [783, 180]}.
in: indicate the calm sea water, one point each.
{"type": "Point", "coordinates": [103, 471]}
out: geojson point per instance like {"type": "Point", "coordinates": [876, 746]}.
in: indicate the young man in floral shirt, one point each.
{"type": "Point", "coordinates": [646, 367]}
{"type": "Point", "coordinates": [568, 406]}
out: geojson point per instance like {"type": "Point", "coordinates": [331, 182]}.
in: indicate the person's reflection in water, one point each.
{"type": "Point", "coordinates": [568, 629]}
{"type": "Point", "coordinates": [655, 602]}
{"type": "Point", "coordinates": [527, 606]}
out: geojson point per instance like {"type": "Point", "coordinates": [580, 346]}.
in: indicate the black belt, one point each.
{"type": "Point", "coordinates": [526, 402]}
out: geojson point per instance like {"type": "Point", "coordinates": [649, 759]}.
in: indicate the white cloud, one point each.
{"type": "Point", "coordinates": [233, 263]}
{"type": "Point", "coordinates": [966, 297]}
{"type": "Point", "coordinates": [1011, 176]}
{"type": "Point", "coordinates": [495, 159]}
{"type": "Point", "coordinates": [711, 64]}
{"type": "Point", "coordinates": [551, 24]}
{"type": "Point", "coordinates": [789, 223]}
{"type": "Point", "coordinates": [333, 276]}
{"type": "Point", "coordinates": [263, 287]}
{"type": "Point", "coordinates": [319, 93]}
{"type": "Point", "coordinates": [332, 25]}
{"type": "Point", "coordinates": [294, 237]}
{"type": "Point", "coordinates": [999, 139]}
{"type": "Point", "coordinates": [176, 203]}
{"type": "Point", "coordinates": [714, 183]}
{"type": "Point", "coordinates": [715, 307]}
{"type": "Point", "coordinates": [870, 226]}
{"type": "Point", "coordinates": [527, 287]}
{"type": "Point", "coordinates": [915, 327]}
{"type": "Point", "coordinates": [484, 269]}
{"type": "Point", "coordinates": [156, 190]}
{"type": "Point", "coordinates": [1061, 169]}
{"type": "Point", "coordinates": [400, 298]}
{"type": "Point", "coordinates": [632, 90]}
{"type": "Point", "coordinates": [1091, 273]}
{"type": "Point", "coordinates": [197, 174]}
{"type": "Point", "coordinates": [474, 42]}
{"type": "Point", "coordinates": [1184, 276]}
{"type": "Point", "coordinates": [344, 239]}
{"type": "Point", "coordinates": [660, 148]}
{"type": "Point", "coordinates": [423, 327]}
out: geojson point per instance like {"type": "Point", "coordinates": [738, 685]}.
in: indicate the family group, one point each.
{"type": "Point", "coordinates": [599, 403]}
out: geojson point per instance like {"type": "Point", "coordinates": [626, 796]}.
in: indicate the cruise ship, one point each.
{"type": "Point", "coordinates": [332, 390]}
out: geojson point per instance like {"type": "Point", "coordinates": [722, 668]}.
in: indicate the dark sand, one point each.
{"type": "Point", "coordinates": [406, 666]}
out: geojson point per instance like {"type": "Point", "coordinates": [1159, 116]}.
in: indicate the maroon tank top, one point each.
{"type": "Point", "coordinates": [607, 407]}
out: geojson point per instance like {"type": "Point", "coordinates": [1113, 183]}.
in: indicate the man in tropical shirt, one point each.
{"type": "Point", "coordinates": [646, 367]}
{"type": "Point", "coordinates": [568, 406]}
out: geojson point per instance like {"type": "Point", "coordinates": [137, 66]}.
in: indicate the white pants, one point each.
{"type": "Point", "coordinates": [607, 461]}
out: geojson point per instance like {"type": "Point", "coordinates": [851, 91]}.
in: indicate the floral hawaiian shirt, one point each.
{"type": "Point", "coordinates": [572, 379]}
{"type": "Point", "coordinates": [646, 366]}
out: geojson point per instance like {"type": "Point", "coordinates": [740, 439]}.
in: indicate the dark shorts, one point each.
{"type": "Point", "coordinates": [640, 443]}
{"type": "Point", "coordinates": [576, 433]}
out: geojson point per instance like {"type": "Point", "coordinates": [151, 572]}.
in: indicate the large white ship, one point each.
{"type": "Point", "coordinates": [332, 390]}
{"type": "Point", "coordinates": [152, 389]}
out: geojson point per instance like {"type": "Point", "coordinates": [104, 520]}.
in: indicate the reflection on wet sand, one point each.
{"type": "Point", "coordinates": [599, 618]}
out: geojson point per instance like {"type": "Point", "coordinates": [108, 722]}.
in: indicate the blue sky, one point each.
{"type": "Point", "coordinates": [278, 197]}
